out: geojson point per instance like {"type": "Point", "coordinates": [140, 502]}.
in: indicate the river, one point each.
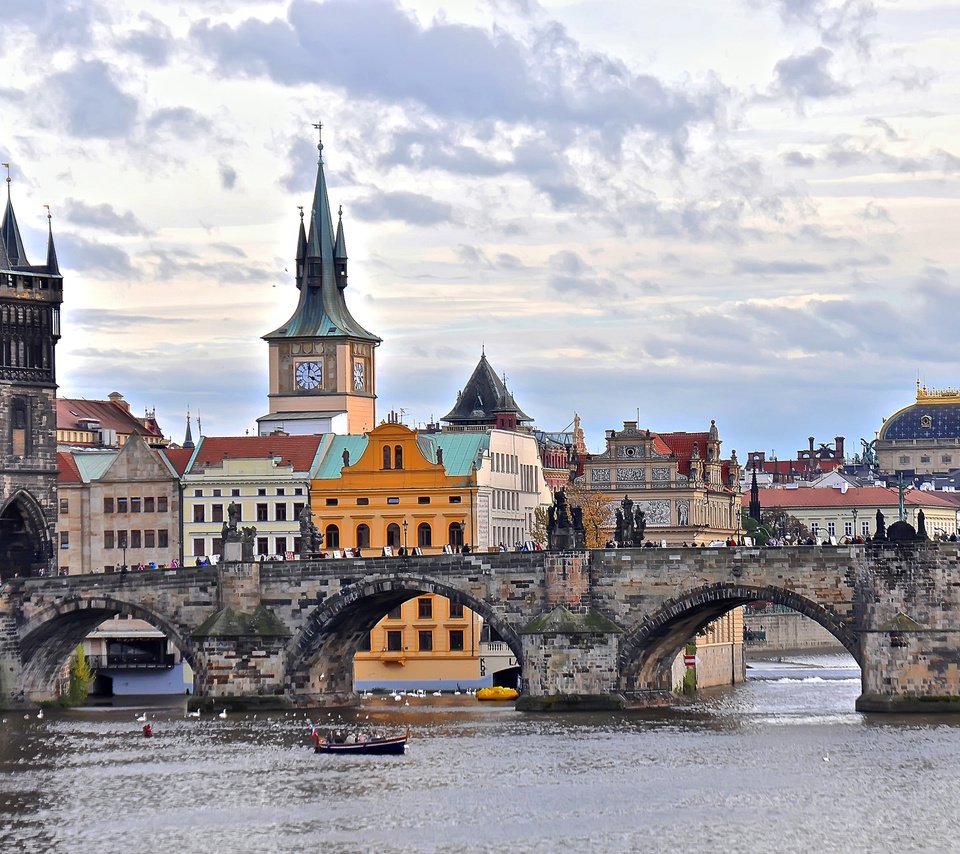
{"type": "Point", "coordinates": [780, 764]}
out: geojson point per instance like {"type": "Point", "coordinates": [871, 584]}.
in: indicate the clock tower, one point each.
{"type": "Point", "coordinates": [30, 298]}
{"type": "Point", "coordinates": [322, 376]}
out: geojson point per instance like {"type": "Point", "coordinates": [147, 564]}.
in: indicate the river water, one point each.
{"type": "Point", "coordinates": [780, 764]}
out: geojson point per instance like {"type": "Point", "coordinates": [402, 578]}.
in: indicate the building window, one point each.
{"type": "Point", "coordinates": [425, 640]}
{"type": "Point", "coordinates": [424, 609]}
{"type": "Point", "coordinates": [216, 513]}
{"type": "Point", "coordinates": [455, 534]}
{"type": "Point", "coordinates": [946, 458]}
{"type": "Point", "coordinates": [332, 537]}
{"type": "Point", "coordinates": [198, 547]}
{"type": "Point", "coordinates": [926, 421]}
{"type": "Point", "coordinates": [423, 499]}
{"type": "Point", "coordinates": [64, 539]}
{"type": "Point", "coordinates": [121, 505]}
{"type": "Point", "coordinates": [108, 539]}
{"type": "Point", "coordinates": [162, 504]}
{"type": "Point", "coordinates": [424, 535]}
{"type": "Point", "coordinates": [398, 457]}
{"type": "Point", "coordinates": [393, 500]}
{"type": "Point", "coordinates": [262, 513]}
{"type": "Point", "coordinates": [924, 458]}
{"type": "Point", "coordinates": [107, 505]}
{"type": "Point", "coordinates": [262, 545]}
{"type": "Point", "coordinates": [455, 499]}
{"type": "Point", "coordinates": [363, 536]}
{"type": "Point", "coordinates": [198, 493]}
{"type": "Point", "coordinates": [217, 493]}
{"type": "Point", "coordinates": [394, 613]}
{"type": "Point", "coordinates": [386, 456]}
{"type": "Point", "coordinates": [149, 505]}
{"type": "Point", "coordinates": [135, 540]}
{"type": "Point", "coordinates": [149, 539]}
{"type": "Point", "coordinates": [281, 491]}
{"type": "Point", "coordinates": [235, 493]}
{"type": "Point", "coordinates": [297, 546]}
{"type": "Point", "coordinates": [395, 641]}
{"type": "Point", "coordinates": [456, 640]}
{"type": "Point", "coordinates": [456, 611]}
{"type": "Point", "coordinates": [331, 502]}
{"type": "Point", "coordinates": [848, 529]}
{"type": "Point", "coordinates": [864, 529]}
{"type": "Point", "coordinates": [281, 510]}
{"type": "Point", "coordinates": [281, 545]}
{"type": "Point", "coordinates": [261, 491]}
{"type": "Point", "coordinates": [64, 506]}
{"type": "Point", "coordinates": [216, 546]}
{"type": "Point", "coordinates": [363, 502]}
{"type": "Point", "coordinates": [198, 514]}
{"type": "Point", "coordinates": [814, 528]}
{"type": "Point", "coordinates": [393, 535]}
{"type": "Point", "coordinates": [904, 461]}
{"type": "Point", "coordinates": [832, 528]}
{"type": "Point", "coordinates": [298, 490]}
{"type": "Point", "coordinates": [135, 505]}
{"type": "Point", "coordinates": [162, 539]}
{"type": "Point", "coordinates": [297, 509]}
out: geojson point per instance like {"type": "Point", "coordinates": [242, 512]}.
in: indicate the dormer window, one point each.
{"type": "Point", "coordinates": [926, 422]}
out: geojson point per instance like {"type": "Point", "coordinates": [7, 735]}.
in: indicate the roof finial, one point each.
{"type": "Point", "coordinates": [49, 215]}
{"type": "Point", "coordinates": [7, 165]}
{"type": "Point", "coordinates": [319, 127]}
{"type": "Point", "coordinates": [340, 212]}
{"type": "Point", "coordinates": [300, 208]}
{"type": "Point", "coordinates": [483, 350]}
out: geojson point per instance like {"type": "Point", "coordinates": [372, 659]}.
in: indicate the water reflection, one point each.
{"type": "Point", "coordinates": [739, 770]}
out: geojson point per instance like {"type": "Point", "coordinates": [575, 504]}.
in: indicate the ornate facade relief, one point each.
{"type": "Point", "coordinates": [600, 475]}
{"type": "Point", "coordinates": [657, 512]}
{"type": "Point", "coordinates": [631, 475]}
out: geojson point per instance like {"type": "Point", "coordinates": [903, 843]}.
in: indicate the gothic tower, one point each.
{"type": "Point", "coordinates": [30, 298]}
{"type": "Point", "coordinates": [322, 372]}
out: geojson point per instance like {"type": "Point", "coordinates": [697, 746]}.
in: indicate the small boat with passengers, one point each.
{"type": "Point", "coordinates": [361, 744]}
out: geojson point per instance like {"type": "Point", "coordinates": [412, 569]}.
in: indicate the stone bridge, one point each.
{"type": "Point", "coordinates": [599, 624]}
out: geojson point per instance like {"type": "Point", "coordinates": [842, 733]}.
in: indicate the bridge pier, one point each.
{"type": "Point", "coordinates": [908, 608]}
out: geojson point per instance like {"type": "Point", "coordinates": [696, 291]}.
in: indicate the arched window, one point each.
{"type": "Point", "coordinates": [331, 537]}
{"type": "Point", "coordinates": [363, 536]}
{"type": "Point", "coordinates": [386, 456]}
{"type": "Point", "coordinates": [424, 536]}
{"type": "Point", "coordinates": [398, 457]}
{"type": "Point", "coordinates": [393, 535]}
{"type": "Point", "coordinates": [456, 535]}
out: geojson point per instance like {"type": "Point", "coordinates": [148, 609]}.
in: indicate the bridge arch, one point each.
{"type": "Point", "coordinates": [648, 650]}
{"type": "Point", "coordinates": [24, 533]}
{"type": "Point", "coordinates": [320, 657]}
{"type": "Point", "coordinates": [48, 639]}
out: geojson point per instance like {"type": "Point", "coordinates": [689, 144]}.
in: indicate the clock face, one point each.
{"type": "Point", "coordinates": [358, 376]}
{"type": "Point", "coordinates": [309, 375]}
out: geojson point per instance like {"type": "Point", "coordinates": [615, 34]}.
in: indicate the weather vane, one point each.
{"type": "Point", "coordinates": [300, 208]}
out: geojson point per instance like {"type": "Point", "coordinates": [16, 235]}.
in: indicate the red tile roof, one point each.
{"type": "Point", "coordinates": [111, 415]}
{"type": "Point", "coordinates": [298, 451]}
{"type": "Point", "coordinates": [67, 471]}
{"type": "Point", "coordinates": [796, 467]}
{"type": "Point", "coordinates": [179, 458]}
{"type": "Point", "coordinates": [863, 496]}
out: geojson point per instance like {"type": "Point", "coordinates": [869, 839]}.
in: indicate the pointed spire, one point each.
{"type": "Point", "coordinates": [188, 436]}
{"type": "Point", "coordinates": [320, 242]}
{"type": "Point", "coordinates": [10, 232]}
{"type": "Point", "coordinates": [340, 253]}
{"type": "Point", "coordinates": [755, 497]}
{"type": "Point", "coordinates": [52, 265]}
{"type": "Point", "coordinates": [301, 249]}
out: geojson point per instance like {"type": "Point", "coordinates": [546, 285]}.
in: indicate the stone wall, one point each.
{"type": "Point", "coordinates": [786, 632]}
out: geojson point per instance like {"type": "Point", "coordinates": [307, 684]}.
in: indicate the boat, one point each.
{"type": "Point", "coordinates": [393, 745]}
{"type": "Point", "coordinates": [497, 693]}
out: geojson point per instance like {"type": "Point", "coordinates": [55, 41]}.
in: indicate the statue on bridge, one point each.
{"type": "Point", "coordinates": [631, 523]}
{"type": "Point", "coordinates": [562, 533]}
{"type": "Point", "coordinates": [310, 537]}
{"type": "Point", "coordinates": [247, 538]}
{"type": "Point", "coordinates": [881, 532]}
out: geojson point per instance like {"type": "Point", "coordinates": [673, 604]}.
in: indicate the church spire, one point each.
{"type": "Point", "coordinates": [188, 436]}
{"type": "Point", "coordinates": [320, 242]}
{"type": "Point", "coordinates": [52, 265]}
{"type": "Point", "coordinates": [13, 249]}
{"type": "Point", "coordinates": [301, 249]}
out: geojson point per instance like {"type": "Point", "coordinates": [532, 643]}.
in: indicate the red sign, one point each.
{"type": "Point", "coordinates": [690, 660]}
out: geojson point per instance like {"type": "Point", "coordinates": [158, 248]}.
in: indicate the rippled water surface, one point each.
{"type": "Point", "coordinates": [783, 763]}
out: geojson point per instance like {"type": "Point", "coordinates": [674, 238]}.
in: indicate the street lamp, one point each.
{"type": "Point", "coordinates": [405, 537]}
{"type": "Point", "coordinates": [123, 545]}
{"type": "Point", "coordinates": [855, 534]}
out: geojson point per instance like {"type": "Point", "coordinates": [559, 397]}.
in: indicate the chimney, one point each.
{"type": "Point", "coordinates": [839, 441]}
{"type": "Point", "coordinates": [117, 398]}
{"type": "Point", "coordinates": [810, 439]}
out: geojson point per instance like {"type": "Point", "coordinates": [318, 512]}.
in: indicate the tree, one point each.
{"type": "Point", "coordinates": [80, 676]}
{"type": "Point", "coordinates": [539, 531]}
{"type": "Point", "coordinates": [596, 513]}
{"type": "Point", "coordinates": [781, 523]}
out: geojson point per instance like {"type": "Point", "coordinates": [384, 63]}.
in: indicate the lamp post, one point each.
{"type": "Point", "coordinates": [855, 534]}
{"type": "Point", "coordinates": [404, 537]}
{"type": "Point", "coordinates": [123, 545]}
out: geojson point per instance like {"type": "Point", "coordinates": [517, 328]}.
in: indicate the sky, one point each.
{"type": "Point", "coordinates": [668, 212]}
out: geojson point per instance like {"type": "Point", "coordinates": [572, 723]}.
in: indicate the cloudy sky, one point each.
{"type": "Point", "coordinates": [675, 211]}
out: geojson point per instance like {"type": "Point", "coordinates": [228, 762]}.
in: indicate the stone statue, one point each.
{"type": "Point", "coordinates": [881, 533]}
{"type": "Point", "coordinates": [346, 457]}
{"type": "Point", "coordinates": [639, 526]}
{"type": "Point", "coordinates": [233, 515]}
{"type": "Point", "coordinates": [561, 535]}
{"type": "Point", "coordinates": [682, 514]}
{"type": "Point", "coordinates": [310, 537]}
{"type": "Point", "coordinates": [869, 453]}
{"type": "Point", "coordinates": [922, 526]}
{"type": "Point", "coordinates": [247, 536]}
{"type": "Point", "coordinates": [561, 519]}
{"type": "Point", "coordinates": [618, 534]}
{"type": "Point", "coordinates": [577, 514]}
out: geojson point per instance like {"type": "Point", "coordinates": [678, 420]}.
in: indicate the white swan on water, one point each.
{"type": "Point", "coordinates": [223, 715]}
{"type": "Point", "coordinates": [142, 719]}
{"type": "Point", "coordinates": [195, 714]}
